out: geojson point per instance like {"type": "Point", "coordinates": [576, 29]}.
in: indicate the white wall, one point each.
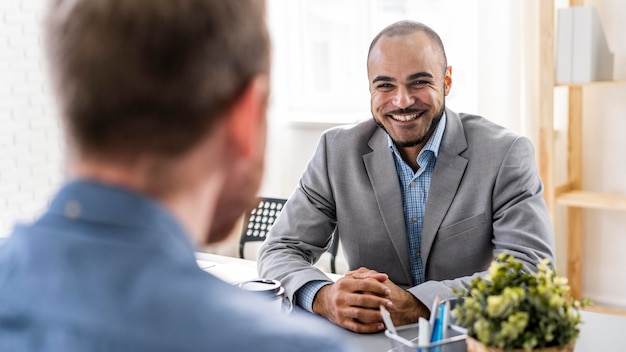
{"type": "Point", "coordinates": [30, 140]}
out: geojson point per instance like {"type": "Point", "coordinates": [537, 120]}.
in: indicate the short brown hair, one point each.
{"type": "Point", "coordinates": [408, 27]}
{"type": "Point", "coordinates": [151, 76]}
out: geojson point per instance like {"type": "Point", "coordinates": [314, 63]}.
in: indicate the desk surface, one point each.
{"type": "Point", "coordinates": [233, 270]}
{"type": "Point", "coordinates": [599, 332]}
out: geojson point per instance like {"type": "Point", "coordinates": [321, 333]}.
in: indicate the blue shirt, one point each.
{"type": "Point", "coordinates": [414, 187]}
{"type": "Point", "coordinates": [107, 269]}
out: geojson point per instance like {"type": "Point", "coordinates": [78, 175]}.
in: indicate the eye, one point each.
{"type": "Point", "coordinates": [419, 83]}
{"type": "Point", "coordinates": [385, 86]}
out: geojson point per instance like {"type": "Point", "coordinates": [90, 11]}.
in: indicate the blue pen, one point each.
{"type": "Point", "coordinates": [438, 327]}
{"type": "Point", "coordinates": [445, 320]}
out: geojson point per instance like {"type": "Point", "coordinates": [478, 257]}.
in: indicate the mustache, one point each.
{"type": "Point", "coordinates": [406, 111]}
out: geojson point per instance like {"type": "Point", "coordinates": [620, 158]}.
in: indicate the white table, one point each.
{"type": "Point", "coordinates": [233, 270]}
{"type": "Point", "coordinates": [599, 332]}
{"type": "Point", "coordinates": [602, 332]}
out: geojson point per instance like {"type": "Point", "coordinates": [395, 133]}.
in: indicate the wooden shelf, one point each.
{"type": "Point", "coordinates": [592, 83]}
{"type": "Point", "coordinates": [569, 194]}
{"type": "Point", "coordinates": [594, 200]}
{"type": "Point", "coordinates": [606, 310]}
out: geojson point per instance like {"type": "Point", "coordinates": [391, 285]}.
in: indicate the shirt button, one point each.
{"type": "Point", "coordinates": [72, 209]}
{"type": "Point", "coordinates": [412, 184]}
{"type": "Point", "coordinates": [414, 219]}
{"type": "Point", "coordinates": [417, 254]}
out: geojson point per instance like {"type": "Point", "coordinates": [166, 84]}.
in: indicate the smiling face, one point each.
{"type": "Point", "coordinates": [408, 83]}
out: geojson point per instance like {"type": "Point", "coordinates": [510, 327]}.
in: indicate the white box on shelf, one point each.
{"type": "Point", "coordinates": [583, 53]}
{"type": "Point", "coordinates": [564, 32]}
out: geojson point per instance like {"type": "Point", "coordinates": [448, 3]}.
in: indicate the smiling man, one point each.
{"type": "Point", "coordinates": [421, 197]}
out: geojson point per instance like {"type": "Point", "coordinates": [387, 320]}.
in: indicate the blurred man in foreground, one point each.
{"type": "Point", "coordinates": [161, 102]}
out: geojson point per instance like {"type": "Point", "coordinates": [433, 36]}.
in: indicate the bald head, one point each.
{"type": "Point", "coordinates": [403, 28]}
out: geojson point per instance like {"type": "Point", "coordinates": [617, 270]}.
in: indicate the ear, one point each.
{"type": "Point", "coordinates": [447, 83]}
{"type": "Point", "coordinates": [246, 118]}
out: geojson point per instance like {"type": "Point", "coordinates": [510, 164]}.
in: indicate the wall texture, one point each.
{"type": "Point", "coordinates": [30, 140]}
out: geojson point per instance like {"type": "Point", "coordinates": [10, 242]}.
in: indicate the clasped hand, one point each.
{"type": "Point", "coordinates": [354, 301]}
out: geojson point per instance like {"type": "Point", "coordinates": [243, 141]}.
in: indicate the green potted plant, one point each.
{"type": "Point", "coordinates": [514, 309]}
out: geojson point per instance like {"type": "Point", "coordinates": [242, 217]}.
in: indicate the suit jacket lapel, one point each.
{"type": "Point", "coordinates": [447, 176]}
{"type": "Point", "coordinates": [381, 171]}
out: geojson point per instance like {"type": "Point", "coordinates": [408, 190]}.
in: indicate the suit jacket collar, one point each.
{"type": "Point", "coordinates": [381, 170]}
{"type": "Point", "coordinates": [447, 176]}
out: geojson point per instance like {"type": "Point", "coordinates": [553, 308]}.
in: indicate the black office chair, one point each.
{"type": "Point", "coordinates": [260, 219]}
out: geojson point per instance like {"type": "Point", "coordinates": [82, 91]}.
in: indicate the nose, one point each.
{"type": "Point", "coordinates": [403, 98]}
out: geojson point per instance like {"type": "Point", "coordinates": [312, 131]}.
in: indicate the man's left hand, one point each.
{"type": "Point", "coordinates": [405, 308]}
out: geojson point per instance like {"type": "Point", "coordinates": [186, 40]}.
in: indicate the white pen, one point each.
{"type": "Point", "coordinates": [434, 310]}
{"type": "Point", "coordinates": [387, 320]}
{"type": "Point", "coordinates": [423, 335]}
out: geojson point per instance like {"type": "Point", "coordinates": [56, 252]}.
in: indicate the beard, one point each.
{"type": "Point", "coordinates": [420, 139]}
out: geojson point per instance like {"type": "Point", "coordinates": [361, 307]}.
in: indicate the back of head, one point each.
{"type": "Point", "coordinates": [135, 77]}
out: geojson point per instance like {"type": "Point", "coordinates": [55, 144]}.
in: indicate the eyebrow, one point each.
{"type": "Point", "coordinates": [419, 75]}
{"type": "Point", "coordinates": [410, 78]}
{"type": "Point", "coordinates": [383, 79]}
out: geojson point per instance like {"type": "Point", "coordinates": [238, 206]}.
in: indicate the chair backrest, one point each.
{"type": "Point", "coordinates": [259, 220]}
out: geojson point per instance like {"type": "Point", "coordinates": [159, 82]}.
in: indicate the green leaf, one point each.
{"type": "Point", "coordinates": [513, 308]}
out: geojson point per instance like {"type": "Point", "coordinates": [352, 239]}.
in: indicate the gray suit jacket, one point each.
{"type": "Point", "coordinates": [485, 198]}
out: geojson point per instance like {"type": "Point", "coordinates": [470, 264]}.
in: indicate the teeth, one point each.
{"type": "Point", "coordinates": [404, 118]}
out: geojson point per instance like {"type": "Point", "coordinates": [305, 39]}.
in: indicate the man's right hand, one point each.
{"type": "Point", "coordinates": [354, 303]}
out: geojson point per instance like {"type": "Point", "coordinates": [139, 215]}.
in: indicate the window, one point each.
{"type": "Point", "coordinates": [320, 52]}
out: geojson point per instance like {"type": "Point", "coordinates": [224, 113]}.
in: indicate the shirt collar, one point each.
{"type": "Point", "coordinates": [433, 143]}
{"type": "Point", "coordinates": [98, 203]}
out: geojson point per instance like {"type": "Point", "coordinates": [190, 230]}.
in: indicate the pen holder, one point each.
{"type": "Point", "coordinates": [406, 340]}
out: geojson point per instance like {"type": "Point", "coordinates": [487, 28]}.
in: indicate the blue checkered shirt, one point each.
{"type": "Point", "coordinates": [414, 187]}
